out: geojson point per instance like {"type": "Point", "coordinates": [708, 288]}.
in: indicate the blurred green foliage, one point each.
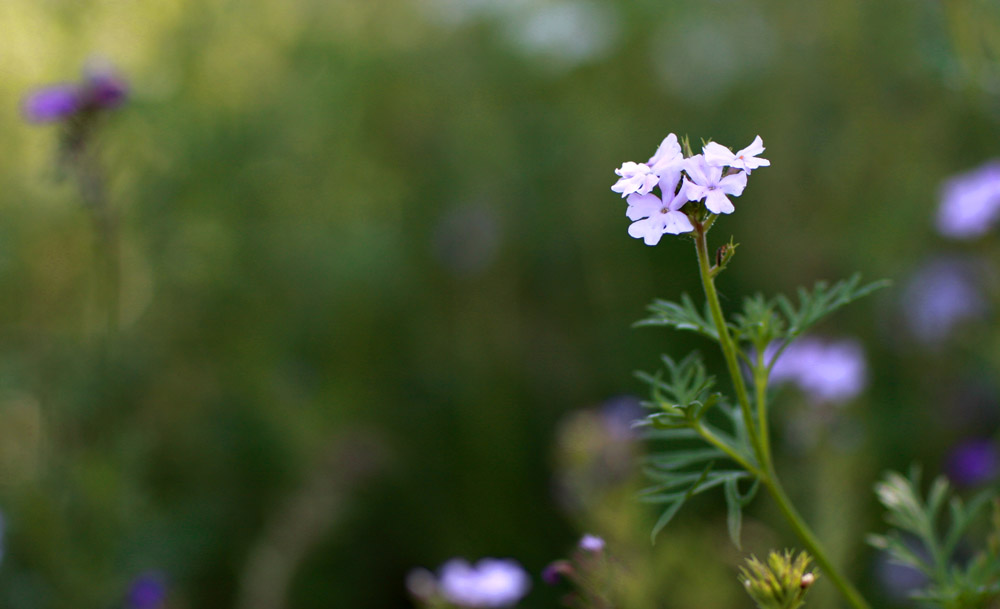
{"type": "Point", "coordinates": [393, 220]}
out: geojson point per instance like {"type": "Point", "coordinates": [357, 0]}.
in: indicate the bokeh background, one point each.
{"type": "Point", "coordinates": [376, 294]}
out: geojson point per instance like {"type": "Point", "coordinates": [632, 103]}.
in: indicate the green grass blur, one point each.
{"type": "Point", "coordinates": [370, 260]}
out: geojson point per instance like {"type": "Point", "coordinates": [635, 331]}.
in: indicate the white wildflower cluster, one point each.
{"type": "Point", "coordinates": [712, 177]}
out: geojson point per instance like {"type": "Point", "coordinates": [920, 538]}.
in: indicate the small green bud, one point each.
{"type": "Point", "coordinates": [781, 582]}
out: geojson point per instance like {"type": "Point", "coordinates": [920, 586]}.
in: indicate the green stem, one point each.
{"type": "Point", "coordinates": [811, 543]}
{"type": "Point", "coordinates": [760, 387]}
{"type": "Point", "coordinates": [715, 441]}
{"type": "Point", "coordinates": [726, 341]}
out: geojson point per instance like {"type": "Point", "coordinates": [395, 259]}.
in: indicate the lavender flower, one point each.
{"type": "Point", "coordinates": [970, 202]}
{"type": "Point", "coordinates": [100, 89]}
{"type": "Point", "coordinates": [148, 591]}
{"type": "Point", "coordinates": [829, 372]}
{"type": "Point", "coordinates": [973, 462]}
{"type": "Point", "coordinates": [490, 583]}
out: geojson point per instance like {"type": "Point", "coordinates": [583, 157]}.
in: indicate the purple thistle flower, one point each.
{"type": "Point", "coordinates": [148, 591]}
{"type": "Point", "coordinates": [100, 89]}
{"type": "Point", "coordinates": [973, 462]}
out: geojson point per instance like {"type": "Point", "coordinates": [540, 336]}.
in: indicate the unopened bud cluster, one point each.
{"type": "Point", "coordinates": [781, 582]}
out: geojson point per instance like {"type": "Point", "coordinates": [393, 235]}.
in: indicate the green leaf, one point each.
{"type": "Point", "coordinates": [684, 458]}
{"type": "Point", "coordinates": [821, 301]}
{"type": "Point", "coordinates": [735, 502]}
{"type": "Point", "coordinates": [672, 510]}
{"type": "Point", "coordinates": [681, 316]}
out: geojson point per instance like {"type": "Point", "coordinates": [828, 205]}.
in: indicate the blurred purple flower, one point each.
{"type": "Point", "coordinates": [490, 583]}
{"type": "Point", "coordinates": [973, 462]}
{"type": "Point", "coordinates": [939, 296]}
{"type": "Point", "coordinates": [829, 372]}
{"type": "Point", "coordinates": [899, 581]}
{"type": "Point", "coordinates": [591, 543]}
{"type": "Point", "coordinates": [148, 591]}
{"type": "Point", "coordinates": [619, 415]}
{"type": "Point", "coordinates": [100, 89]}
{"type": "Point", "coordinates": [52, 103]}
{"type": "Point", "coordinates": [970, 202]}
{"type": "Point", "coordinates": [555, 571]}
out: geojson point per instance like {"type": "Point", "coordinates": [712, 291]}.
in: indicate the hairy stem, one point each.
{"type": "Point", "coordinates": [726, 341]}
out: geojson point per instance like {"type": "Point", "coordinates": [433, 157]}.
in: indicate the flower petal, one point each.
{"type": "Point", "coordinates": [667, 155]}
{"type": "Point", "coordinates": [677, 223]}
{"type": "Point", "coordinates": [642, 206]}
{"type": "Point", "coordinates": [733, 184]}
{"type": "Point", "coordinates": [649, 230]}
{"type": "Point", "coordinates": [717, 155]}
{"type": "Point", "coordinates": [755, 148]}
{"type": "Point", "coordinates": [718, 203]}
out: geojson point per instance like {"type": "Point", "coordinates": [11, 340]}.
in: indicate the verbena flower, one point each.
{"type": "Point", "coordinates": [699, 180]}
{"type": "Point", "coordinates": [717, 155]}
{"type": "Point", "coordinates": [829, 372]}
{"type": "Point", "coordinates": [708, 183]}
{"type": "Point", "coordinates": [490, 583]}
{"type": "Point", "coordinates": [100, 89]}
{"type": "Point", "coordinates": [970, 202]}
{"type": "Point", "coordinates": [654, 216]}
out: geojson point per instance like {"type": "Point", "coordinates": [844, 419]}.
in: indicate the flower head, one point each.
{"type": "Point", "coordinates": [717, 155]}
{"type": "Point", "coordinates": [683, 180]}
{"type": "Point", "coordinates": [490, 583]}
{"type": "Point", "coordinates": [708, 183]}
